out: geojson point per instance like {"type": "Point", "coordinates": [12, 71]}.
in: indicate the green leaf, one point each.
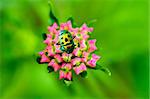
{"type": "Point", "coordinates": [67, 82]}
{"type": "Point", "coordinates": [106, 70]}
{"type": "Point", "coordinates": [72, 22]}
{"type": "Point", "coordinates": [52, 19]}
{"type": "Point", "coordinates": [71, 19]}
{"type": "Point", "coordinates": [90, 23]}
{"type": "Point", "coordinates": [102, 68]}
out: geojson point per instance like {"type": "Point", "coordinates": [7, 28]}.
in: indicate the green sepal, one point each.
{"type": "Point", "coordinates": [50, 69]}
{"type": "Point", "coordinates": [53, 18]}
{"type": "Point", "coordinates": [67, 82]}
{"type": "Point", "coordinates": [83, 74]}
{"type": "Point", "coordinates": [44, 36]}
{"type": "Point", "coordinates": [38, 60]}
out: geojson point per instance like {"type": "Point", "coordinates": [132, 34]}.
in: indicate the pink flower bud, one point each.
{"type": "Point", "coordinates": [51, 62]}
{"type": "Point", "coordinates": [50, 51]}
{"type": "Point", "coordinates": [58, 58]}
{"type": "Point", "coordinates": [90, 29]}
{"type": "Point", "coordinates": [76, 61]}
{"type": "Point", "coordinates": [66, 66]}
{"type": "Point", "coordinates": [69, 24]}
{"type": "Point", "coordinates": [85, 36]}
{"type": "Point", "coordinates": [48, 40]}
{"type": "Point", "coordinates": [53, 28]}
{"type": "Point", "coordinates": [96, 57]}
{"type": "Point", "coordinates": [77, 52]}
{"type": "Point", "coordinates": [91, 63]}
{"type": "Point", "coordinates": [54, 64]}
{"type": "Point", "coordinates": [66, 75]}
{"type": "Point", "coordinates": [56, 39]}
{"type": "Point", "coordinates": [66, 57]}
{"type": "Point", "coordinates": [55, 25]}
{"type": "Point", "coordinates": [83, 45]}
{"type": "Point", "coordinates": [80, 68]}
{"type": "Point", "coordinates": [61, 74]}
{"type": "Point", "coordinates": [85, 56]}
{"type": "Point", "coordinates": [93, 60]}
{"type": "Point", "coordinates": [44, 58]}
{"type": "Point", "coordinates": [85, 29]}
{"type": "Point", "coordinates": [57, 48]}
{"type": "Point", "coordinates": [92, 46]}
{"type": "Point", "coordinates": [69, 75]}
{"type": "Point", "coordinates": [66, 26]}
{"type": "Point", "coordinates": [41, 53]}
{"type": "Point", "coordinates": [74, 31]}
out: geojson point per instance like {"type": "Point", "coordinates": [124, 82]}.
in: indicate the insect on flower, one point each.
{"type": "Point", "coordinates": [69, 49]}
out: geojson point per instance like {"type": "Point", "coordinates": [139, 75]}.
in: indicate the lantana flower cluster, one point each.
{"type": "Point", "coordinates": [65, 63]}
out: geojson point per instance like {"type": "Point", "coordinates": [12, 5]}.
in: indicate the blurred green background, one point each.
{"type": "Point", "coordinates": [121, 31]}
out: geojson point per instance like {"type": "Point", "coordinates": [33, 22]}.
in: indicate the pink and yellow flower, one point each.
{"type": "Point", "coordinates": [78, 60]}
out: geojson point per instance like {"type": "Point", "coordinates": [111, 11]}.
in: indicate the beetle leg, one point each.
{"type": "Point", "coordinates": [58, 43]}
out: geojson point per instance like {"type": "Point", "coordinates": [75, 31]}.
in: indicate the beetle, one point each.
{"type": "Point", "coordinates": [66, 41]}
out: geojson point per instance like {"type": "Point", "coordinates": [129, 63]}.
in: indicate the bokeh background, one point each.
{"type": "Point", "coordinates": [121, 31]}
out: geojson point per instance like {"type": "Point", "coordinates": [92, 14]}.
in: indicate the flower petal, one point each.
{"type": "Point", "coordinates": [44, 58]}
{"type": "Point", "coordinates": [76, 61]}
{"type": "Point", "coordinates": [58, 58]}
